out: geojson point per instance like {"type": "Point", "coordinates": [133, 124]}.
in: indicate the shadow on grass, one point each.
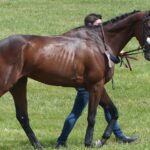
{"type": "Point", "coordinates": [48, 143]}
{"type": "Point", "coordinates": [25, 145]}
{"type": "Point", "coordinates": [15, 145]}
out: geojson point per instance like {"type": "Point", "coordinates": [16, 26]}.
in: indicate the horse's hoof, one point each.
{"type": "Point", "coordinates": [60, 145]}
{"type": "Point", "coordinates": [88, 145]}
{"type": "Point", "coordinates": [100, 143]}
{"type": "Point", "coordinates": [38, 146]}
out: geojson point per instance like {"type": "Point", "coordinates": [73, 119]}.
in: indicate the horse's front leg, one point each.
{"type": "Point", "coordinates": [95, 94]}
{"type": "Point", "coordinates": [18, 92]}
{"type": "Point", "coordinates": [107, 102]}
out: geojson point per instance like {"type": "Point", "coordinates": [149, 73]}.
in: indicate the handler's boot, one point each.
{"type": "Point", "coordinates": [126, 139]}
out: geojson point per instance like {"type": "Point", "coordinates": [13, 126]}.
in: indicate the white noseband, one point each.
{"type": "Point", "coordinates": [148, 40]}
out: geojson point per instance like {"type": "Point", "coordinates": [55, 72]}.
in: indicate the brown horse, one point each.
{"type": "Point", "coordinates": [74, 59]}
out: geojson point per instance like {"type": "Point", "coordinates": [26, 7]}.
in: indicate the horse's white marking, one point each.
{"type": "Point", "coordinates": [98, 143]}
{"type": "Point", "coordinates": [148, 40]}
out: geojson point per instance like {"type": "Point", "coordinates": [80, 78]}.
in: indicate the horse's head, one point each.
{"type": "Point", "coordinates": [142, 32]}
{"type": "Point", "coordinates": [146, 37]}
{"type": "Point", "coordinates": [121, 29]}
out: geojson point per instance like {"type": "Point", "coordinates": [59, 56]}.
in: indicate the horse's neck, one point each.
{"type": "Point", "coordinates": [118, 34]}
{"type": "Point", "coordinates": [117, 40]}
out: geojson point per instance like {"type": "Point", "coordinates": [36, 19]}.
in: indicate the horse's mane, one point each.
{"type": "Point", "coordinates": [113, 20]}
{"type": "Point", "coordinates": [118, 18]}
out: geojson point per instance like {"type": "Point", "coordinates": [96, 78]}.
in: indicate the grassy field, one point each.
{"type": "Point", "coordinates": [49, 105]}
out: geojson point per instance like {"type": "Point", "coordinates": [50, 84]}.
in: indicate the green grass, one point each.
{"type": "Point", "coordinates": [49, 105]}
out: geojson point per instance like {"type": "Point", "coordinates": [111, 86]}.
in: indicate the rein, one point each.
{"type": "Point", "coordinates": [128, 55]}
{"type": "Point", "coordinates": [135, 51]}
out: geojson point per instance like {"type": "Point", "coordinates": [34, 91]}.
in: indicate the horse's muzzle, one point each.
{"type": "Point", "coordinates": [147, 55]}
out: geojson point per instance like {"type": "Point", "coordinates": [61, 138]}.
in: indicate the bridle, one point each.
{"type": "Point", "coordinates": [146, 33]}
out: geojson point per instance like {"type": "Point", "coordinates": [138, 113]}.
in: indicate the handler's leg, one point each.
{"type": "Point", "coordinates": [79, 104]}
{"type": "Point", "coordinates": [19, 94]}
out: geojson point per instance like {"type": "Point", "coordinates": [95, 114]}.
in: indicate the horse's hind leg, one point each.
{"type": "Point", "coordinates": [19, 94]}
{"type": "Point", "coordinates": [106, 102]}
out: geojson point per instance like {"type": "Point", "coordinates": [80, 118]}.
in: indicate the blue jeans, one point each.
{"type": "Point", "coordinates": [79, 104]}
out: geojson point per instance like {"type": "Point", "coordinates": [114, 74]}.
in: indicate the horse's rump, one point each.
{"type": "Point", "coordinates": [11, 60]}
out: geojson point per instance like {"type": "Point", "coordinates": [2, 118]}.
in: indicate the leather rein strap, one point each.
{"type": "Point", "coordinates": [128, 55]}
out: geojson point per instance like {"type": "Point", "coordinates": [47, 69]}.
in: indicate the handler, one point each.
{"type": "Point", "coordinates": [82, 99]}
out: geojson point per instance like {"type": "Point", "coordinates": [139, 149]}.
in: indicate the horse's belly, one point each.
{"type": "Point", "coordinates": [52, 77]}
{"type": "Point", "coordinates": [109, 74]}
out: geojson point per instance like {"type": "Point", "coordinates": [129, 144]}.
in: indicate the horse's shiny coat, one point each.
{"type": "Point", "coordinates": [74, 59]}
